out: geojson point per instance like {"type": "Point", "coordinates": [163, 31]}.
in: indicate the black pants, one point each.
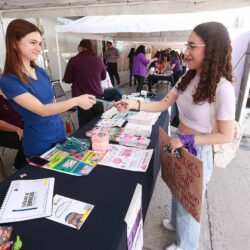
{"type": "Point", "coordinates": [112, 70]}
{"type": "Point", "coordinates": [11, 140]}
{"type": "Point", "coordinates": [140, 81]}
{"type": "Point", "coordinates": [85, 116]}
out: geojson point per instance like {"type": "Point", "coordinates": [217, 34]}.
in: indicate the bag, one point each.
{"type": "Point", "coordinates": [225, 153]}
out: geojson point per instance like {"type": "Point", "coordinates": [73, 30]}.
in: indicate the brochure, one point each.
{"type": "Point", "coordinates": [70, 212]}
{"type": "Point", "coordinates": [27, 199]}
{"type": "Point", "coordinates": [79, 164]}
{"type": "Point", "coordinates": [127, 158]}
{"type": "Point", "coordinates": [113, 131]}
{"type": "Point", "coordinates": [110, 122]}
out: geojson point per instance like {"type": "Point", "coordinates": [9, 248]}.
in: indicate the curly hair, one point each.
{"type": "Point", "coordinates": [216, 64]}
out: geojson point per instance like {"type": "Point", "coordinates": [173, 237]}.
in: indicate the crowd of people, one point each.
{"type": "Point", "coordinates": [30, 120]}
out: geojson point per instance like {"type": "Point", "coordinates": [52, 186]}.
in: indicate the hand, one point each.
{"type": "Point", "coordinates": [86, 101]}
{"type": "Point", "coordinates": [19, 132]}
{"type": "Point", "coordinates": [125, 105]}
{"type": "Point", "coordinates": [174, 144]}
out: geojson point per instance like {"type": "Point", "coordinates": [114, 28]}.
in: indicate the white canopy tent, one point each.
{"type": "Point", "coordinates": [58, 8]}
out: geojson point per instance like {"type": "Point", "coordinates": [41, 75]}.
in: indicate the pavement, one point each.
{"type": "Point", "coordinates": [226, 209]}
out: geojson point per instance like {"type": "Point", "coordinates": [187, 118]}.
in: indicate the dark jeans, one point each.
{"type": "Point", "coordinates": [131, 75]}
{"type": "Point", "coordinates": [140, 81]}
{"type": "Point", "coordinates": [11, 140]}
{"type": "Point", "coordinates": [112, 70]}
{"type": "Point", "coordinates": [112, 94]}
{"type": "Point", "coordinates": [85, 116]}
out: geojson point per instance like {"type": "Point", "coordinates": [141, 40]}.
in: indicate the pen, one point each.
{"type": "Point", "coordinates": [24, 209]}
{"type": "Point", "coordinates": [104, 101]}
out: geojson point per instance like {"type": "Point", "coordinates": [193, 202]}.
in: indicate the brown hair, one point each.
{"type": "Point", "coordinates": [216, 64]}
{"type": "Point", "coordinates": [86, 44]}
{"type": "Point", "coordinates": [17, 29]}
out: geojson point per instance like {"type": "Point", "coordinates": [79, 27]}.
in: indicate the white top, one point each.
{"type": "Point", "coordinates": [198, 116]}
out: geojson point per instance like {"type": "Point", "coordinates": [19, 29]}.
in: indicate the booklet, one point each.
{"type": "Point", "coordinates": [27, 199]}
{"type": "Point", "coordinates": [70, 212]}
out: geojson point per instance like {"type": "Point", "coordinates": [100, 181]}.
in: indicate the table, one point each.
{"type": "Point", "coordinates": [109, 189]}
{"type": "Point", "coordinates": [159, 77]}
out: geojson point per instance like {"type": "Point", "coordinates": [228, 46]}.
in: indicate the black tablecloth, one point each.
{"type": "Point", "coordinates": [109, 190]}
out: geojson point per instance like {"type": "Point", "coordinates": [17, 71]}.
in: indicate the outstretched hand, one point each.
{"type": "Point", "coordinates": [124, 105]}
{"type": "Point", "coordinates": [86, 101]}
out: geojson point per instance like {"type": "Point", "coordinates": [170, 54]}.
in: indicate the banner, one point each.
{"type": "Point", "coordinates": [183, 175]}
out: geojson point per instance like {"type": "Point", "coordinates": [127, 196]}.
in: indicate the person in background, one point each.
{"type": "Point", "coordinates": [140, 67]}
{"type": "Point", "coordinates": [109, 92]}
{"type": "Point", "coordinates": [209, 78]}
{"type": "Point", "coordinates": [29, 90]}
{"type": "Point", "coordinates": [130, 65]}
{"type": "Point", "coordinates": [183, 61]}
{"type": "Point", "coordinates": [111, 57]}
{"type": "Point", "coordinates": [86, 71]}
{"type": "Point", "coordinates": [175, 65]}
{"type": "Point", "coordinates": [11, 132]}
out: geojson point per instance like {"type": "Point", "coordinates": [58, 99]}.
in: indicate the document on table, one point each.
{"type": "Point", "coordinates": [27, 199]}
{"type": "Point", "coordinates": [127, 158]}
{"type": "Point", "coordinates": [70, 212]}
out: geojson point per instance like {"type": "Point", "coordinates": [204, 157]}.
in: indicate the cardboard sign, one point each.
{"type": "Point", "coordinates": [184, 176]}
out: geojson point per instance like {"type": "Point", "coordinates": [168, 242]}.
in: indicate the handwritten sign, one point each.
{"type": "Point", "coordinates": [184, 176]}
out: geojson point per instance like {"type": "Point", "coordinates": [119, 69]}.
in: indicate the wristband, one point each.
{"type": "Point", "coordinates": [139, 105]}
{"type": "Point", "coordinates": [188, 143]}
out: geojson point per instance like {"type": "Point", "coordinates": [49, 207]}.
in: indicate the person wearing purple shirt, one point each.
{"type": "Point", "coordinates": [176, 65]}
{"type": "Point", "coordinates": [140, 67]}
{"type": "Point", "coordinates": [86, 71]}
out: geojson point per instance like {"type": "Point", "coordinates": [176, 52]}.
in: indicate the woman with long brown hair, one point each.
{"type": "Point", "coordinates": [209, 78]}
{"type": "Point", "coordinates": [29, 90]}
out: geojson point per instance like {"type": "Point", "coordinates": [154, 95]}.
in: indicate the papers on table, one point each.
{"type": "Point", "coordinates": [144, 118]}
{"type": "Point", "coordinates": [110, 122]}
{"type": "Point", "coordinates": [127, 158]}
{"type": "Point", "coordinates": [138, 129]}
{"type": "Point", "coordinates": [70, 212]}
{"type": "Point", "coordinates": [27, 199]}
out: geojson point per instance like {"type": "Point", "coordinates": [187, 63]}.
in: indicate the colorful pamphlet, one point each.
{"type": "Point", "coordinates": [113, 131]}
{"type": "Point", "coordinates": [127, 158]}
{"type": "Point", "coordinates": [27, 199]}
{"type": "Point", "coordinates": [79, 164]}
{"type": "Point", "coordinates": [131, 140]}
{"type": "Point", "coordinates": [70, 212]}
{"type": "Point", "coordinates": [110, 122]}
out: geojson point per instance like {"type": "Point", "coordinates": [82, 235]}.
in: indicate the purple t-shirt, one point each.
{"type": "Point", "coordinates": [140, 65]}
{"type": "Point", "coordinates": [198, 116]}
{"type": "Point", "coordinates": [178, 66]}
{"type": "Point", "coordinates": [85, 71]}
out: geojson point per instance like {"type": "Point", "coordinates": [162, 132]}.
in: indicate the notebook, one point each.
{"type": "Point", "coordinates": [27, 199]}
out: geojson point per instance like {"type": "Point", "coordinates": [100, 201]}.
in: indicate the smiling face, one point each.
{"type": "Point", "coordinates": [195, 52]}
{"type": "Point", "coordinates": [30, 46]}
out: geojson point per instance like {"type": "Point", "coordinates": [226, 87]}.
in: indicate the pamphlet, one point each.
{"type": "Point", "coordinates": [110, 122]}
{"type": "Point", "coordinates": [79, 164]}
{"type": "Point", "coordinates": [70, 212]}
{"type": "Point", "coordinates": [27, 199]}
{"type": "Point", "coordinates": [127, 158]}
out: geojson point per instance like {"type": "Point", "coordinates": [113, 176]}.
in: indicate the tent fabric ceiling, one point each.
{"type": "Point", "coordinates": [57, 8]}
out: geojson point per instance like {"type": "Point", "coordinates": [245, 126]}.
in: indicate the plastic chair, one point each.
{"type": "Point", "coordinates": [59, 93]}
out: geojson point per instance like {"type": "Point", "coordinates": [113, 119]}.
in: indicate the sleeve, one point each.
{"type": "Point", "coordinates": [12, 87]}
{"type": "Point", "coordinates": [225, 101]}
{"type": "Point", "coordinates": [68, 75]}
{"type": "Point", "coordinates": [144, 60]}
{"type": "Point", "coordinates": [174, 89]}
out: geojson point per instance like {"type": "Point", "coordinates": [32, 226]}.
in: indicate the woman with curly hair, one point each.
{"type": "Point", "coordinates": [209, 78]}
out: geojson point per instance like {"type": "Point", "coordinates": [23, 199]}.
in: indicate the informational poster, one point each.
{"type": "Point", "coordinates": [183, 175]}
{"type": "Point", "coordinates": [134, 221]}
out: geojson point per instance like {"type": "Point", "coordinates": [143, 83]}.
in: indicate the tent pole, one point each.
{"type": "Point", "coordinates": [58, 58]}
{"type": "Point", "coordinates": [2, 41]}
